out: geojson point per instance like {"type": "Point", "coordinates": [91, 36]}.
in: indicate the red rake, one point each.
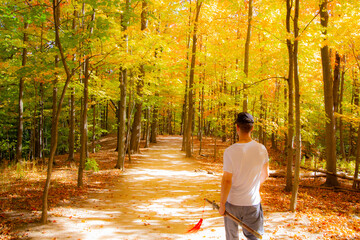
{"type": "Point", "coordinates": [197, 226]}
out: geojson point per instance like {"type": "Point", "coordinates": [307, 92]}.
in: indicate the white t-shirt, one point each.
{"type": "Point", "coordinates": [245, 161]}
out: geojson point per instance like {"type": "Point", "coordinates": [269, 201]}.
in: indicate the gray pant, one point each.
{"type": "Point", "coordinates": [251, 215]}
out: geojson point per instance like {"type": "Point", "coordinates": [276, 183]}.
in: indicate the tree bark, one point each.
{"type": "Point", "coordinates": [190, 113]}
{"type": "Point", "coordinates": [341, 129]}
{"type": "Point", "coordinates": [201, 117]}
{"type": "Point", "coordinates": [34, 137]}
{"type": "Point", "coordinates": [247, 53]}
{"type": "Point", "coordinates": [329, 101]}
{"type": "Point", "coordinates": [336, 82]}
{"type": "Point", "coordinates": [356, 184]}
{"type": "Point", "coordinates": [184, 116]}
{"type": "Point", "coordinates": [71, 138]}
{"type": "Point", "coordinates": [129, 114]}
{"type": "Point", "coordinates": [136, 127]}
{"type": "Point", "coordinates": [290, 80]}
{"type": "Point", "coordinates": [147, 127]}
{"type": "Point", "coordinates": [84, 154]}
{"type": "Point", "coordinates": [41, 123]}
{"type": "Point", "coordinates": [93, 146]}
{"type": "Point", "coordinates": [223, 114]}
{"type": "Point", "coordinates": [21, 96]}
{"type": "Point", "coordinates": [154, 122]}
{"type": "Point", "coordinates": [55, 120]}
{"type": "Point", "coordinates": [84, 125]}
{"type": "Point", "coordinates": [295, 186]}
{"type": "Point", "coordinates": [123, 88]}
{"type": "Point", "coordinates": [122, 119]}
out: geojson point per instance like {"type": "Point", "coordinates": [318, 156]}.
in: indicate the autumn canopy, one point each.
{"type": "Point", "coordinates": [74, 71]}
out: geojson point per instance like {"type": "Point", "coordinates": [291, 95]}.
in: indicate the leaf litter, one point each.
{"type": "Point", "coordinates": [321, 213]}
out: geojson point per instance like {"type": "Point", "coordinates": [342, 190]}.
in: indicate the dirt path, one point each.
{"type": "Point", "coordinates": [159, 197]}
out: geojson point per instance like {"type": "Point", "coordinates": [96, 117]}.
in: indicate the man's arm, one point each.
{"type": "Point", "coordinates": [264, 173]}
{"type": "Point", "coordinates": [225, 189]}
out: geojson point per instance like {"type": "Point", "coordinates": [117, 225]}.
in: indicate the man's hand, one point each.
{"type": "Point", "coordinates": [222, 209]}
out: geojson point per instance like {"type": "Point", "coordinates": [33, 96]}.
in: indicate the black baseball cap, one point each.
{"type": "Point", "coordinates": [244, 118]}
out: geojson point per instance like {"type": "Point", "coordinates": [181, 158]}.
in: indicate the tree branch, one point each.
{"type": "Point", "coordinates": [269, 33]}
{"type": "Point", "coordinates": [260, 81]}
{"type": "Point", "coordinates": [307, 25]}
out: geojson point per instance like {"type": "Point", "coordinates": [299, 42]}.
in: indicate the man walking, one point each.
{"type": "Point", "coordinates": [246, 166]}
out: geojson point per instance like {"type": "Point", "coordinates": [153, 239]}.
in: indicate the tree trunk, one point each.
{"type": "Point", "coordinates": [34, 137]}
{"type": "Point", "coordinates": [336, 82]}
{"type": "Point", "coordinates": [84, 125]}
{"type": "Point", "coordinates": [341, 129]}
{"type": "Point", "coordinates": [106, 115]}
{"type": "Point", "coordinates": [295, 186]}
{"type": "Point", "coordinates": [190, 113]}
{"type": "Point", "coordinates": [354, 101]}
{"type": "Point", "coordinates": [41, 123]}
{"type": "Point", "coordinates": [357, 161]}
{"type": "Point", "coordinates": [21, 95]}
{"type": "Point", "coordinates": [223, 114]}
{"type": "Point", "coordinates": [247, 53]}
{"type": "Point", "coordinates": [329, 102]}
{"type": "Point", "coordinates": [184, 119]}
{"type": "Point", "coordinates": [71, 138]}
{"type": "Point", "coordinates": [84, 154]}
{"type": "Point", "coordinates": [122, 120]}
{"type": "Point", "coordinates": [55, 94]}
{"type": "Point", "coordinates": [136, 127]}
{"type": "Point", "coordinates": [154, 122]}
{"type": "Point", "coordinates": [122, 108]}
{"type": "Point", "coordinates": [147, 127]}
{"type": "Point", "coordinates": [201, 118]}
{"type": "Point", "coordinates": [93, 146]}
{"type": "Point", "coordinates": [55, 119]}
{"type": "Point", "coordinates": [289, 149]}
{"type": "Point", "coordinates": [129, 114]}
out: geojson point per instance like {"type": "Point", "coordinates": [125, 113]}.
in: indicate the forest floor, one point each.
{"type": "Point", "coordinates": [160, 196]}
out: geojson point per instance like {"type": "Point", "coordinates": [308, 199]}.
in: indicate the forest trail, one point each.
{"type": "Point", "coordinates": [160, 196]}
